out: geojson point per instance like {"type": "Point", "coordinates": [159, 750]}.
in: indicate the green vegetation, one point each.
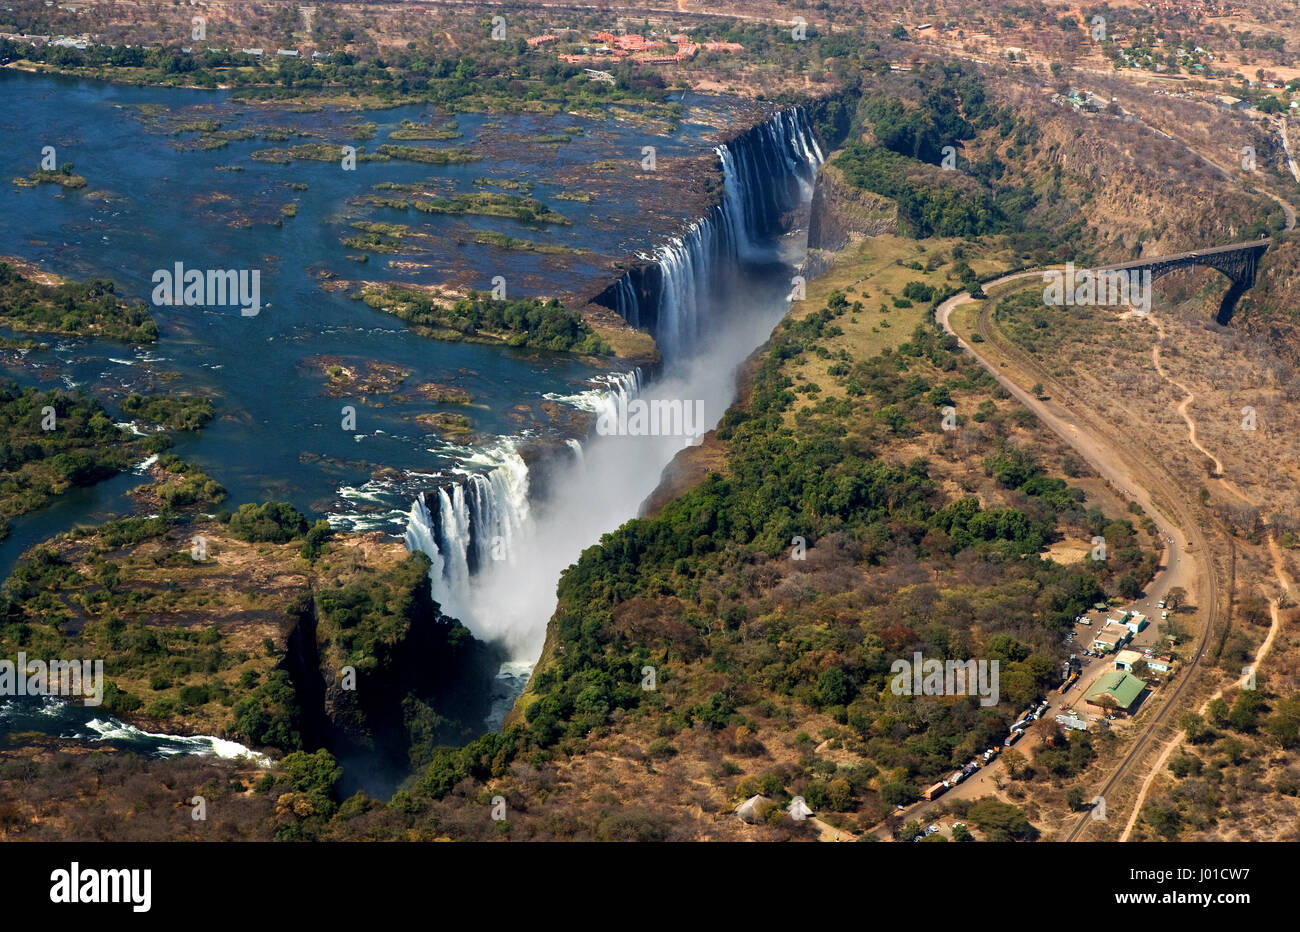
{"type": "Point", "coordinates": [89, 309]}
{"type": "Point", "coordinates": [915, 159]}
{"type": "Point", "coordinates": [526, 322]}
{"type": "Point", "coordinates": [505, 184]}
{"type": "Point", "coordinates": [502, 241]}
{"type": "Point", "coordinates": [487, 77]}
{"type": "Point", "coordinates": [429, 156]}
{"type": "Point", "coordinates": [179, 412]}
{"type": "Point", "coordinates": [183, 485]}
{"type": "Point", "coordinates": [52, 442]}
{"type": "Point", "coordinates": [63, 176]}
{"type": "Point", "coordinates": [410, 130]}
{"type": "Point", "coordinates": [481, 203]}
{"type": "Point", "coordinates": [312, 152]}
{"type": "Point", "coordinates": [277, 522]}
{"type": "Point", "coordinates": [1229, 766]}
{"type": "Point", "coordinates": [934, 202]}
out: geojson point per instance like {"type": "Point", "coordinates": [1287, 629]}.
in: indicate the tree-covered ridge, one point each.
{"type": "Point", "coordinates": [82, 309]}
{"type": "Point", "coordinates": [221, 627]}
{"type": "Point", "coordinates": [521, 322]}
{"type": "Point", "coordinates": [918, 156]}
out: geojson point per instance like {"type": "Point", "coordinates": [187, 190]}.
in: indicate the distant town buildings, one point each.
{"type": "Point", "coordinates": [636, 47]}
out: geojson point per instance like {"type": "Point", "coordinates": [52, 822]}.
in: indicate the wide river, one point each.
{"type": "Point", "coordinates": [159, 192]}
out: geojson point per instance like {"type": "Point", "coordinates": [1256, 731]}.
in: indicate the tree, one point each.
{"type": "Point", "coordinates": [896, 793]}
{"type": "Point", "coordinates": [1001, 821]}
{"type": "Point", "coordinates": [834, 687]}
{"type": "Point", "coordinates": [314, 775]}
{"type": "Point", "coordinates": [1176, 598]}
{"type": "Point", "coordinates": [1016, 765]}
{"type": "Point", "coordinates": [1163, 817]}
{"type": "Point", "coordinates": [1283, 726]}
{"type": "Point", "coordinates": [1172, 630]}
{"type": "Point", "coordinates": [1254, 610]}
{"type": "Point", "coordinates": [961, 833]}
{"type": "Point", "coordinates": [1037, 389]}
{"type": "Point", "coordinates": [1074, 799]}
{"type": "Point", "coordinates": [276, 522]}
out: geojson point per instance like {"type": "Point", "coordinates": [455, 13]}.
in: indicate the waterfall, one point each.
{"type": "Point", "coordinates": [767, 172]}
{"type": "Point", "coordinates": [708, 296]}
{"type": "Point", "coordinates": [627, 305]}
{"type": "Point", "coordinates": [477, 520]}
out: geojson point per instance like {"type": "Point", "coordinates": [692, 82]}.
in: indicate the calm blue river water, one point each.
{"type": "Point", "coordinates": [154, 199]}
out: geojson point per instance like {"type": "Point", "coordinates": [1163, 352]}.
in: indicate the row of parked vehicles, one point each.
{"type": "Point", "coordinates": [943, 786]}
{"type": "Point", "coordinates": [1034, 713]}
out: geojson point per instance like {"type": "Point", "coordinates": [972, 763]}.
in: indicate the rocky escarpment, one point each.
{"type": "Point", "coordinates": [1269, 309]}
{"type": "Point", "coordinates": [278, 643]}
{"type": "Point", "coordinates": [842, 213]}
{"type": "Point", "coordinates": [399, 676]}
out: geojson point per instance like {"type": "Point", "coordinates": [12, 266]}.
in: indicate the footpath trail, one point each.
{"type": "Point", "coordinates": [1275, 607]}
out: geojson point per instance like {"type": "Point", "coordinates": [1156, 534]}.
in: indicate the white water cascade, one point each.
{"type": "Point", "coordinates": [497, 555]}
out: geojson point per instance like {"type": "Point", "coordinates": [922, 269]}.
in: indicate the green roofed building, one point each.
{"type": "Point", "coordinates": [1116, 690]}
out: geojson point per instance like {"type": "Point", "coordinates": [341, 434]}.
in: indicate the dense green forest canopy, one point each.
{"type": "Point", "coordinates": [90, 308]}
{"type": "Point", "coordinates": [642, 596]}
{"type": "Point", "coordinates": [523, 322]}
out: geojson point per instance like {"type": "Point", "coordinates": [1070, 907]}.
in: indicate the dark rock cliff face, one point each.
{"type": "Point", "coordinates": [430, 685]}
{"type": "Point", "coordinates": [842, 213]}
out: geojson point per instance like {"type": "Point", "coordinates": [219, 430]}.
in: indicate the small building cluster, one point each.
{"type": "Point", "coordinates": [639, 48]}
{"type": "Point", "coordinates": [1117, 631]}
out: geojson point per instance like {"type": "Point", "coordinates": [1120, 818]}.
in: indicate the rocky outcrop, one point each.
{"type": "Point", "coordinates": [840, 214]}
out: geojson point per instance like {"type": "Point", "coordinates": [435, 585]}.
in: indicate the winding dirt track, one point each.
{"type": "Point", "coordinates": [1134, 475]}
